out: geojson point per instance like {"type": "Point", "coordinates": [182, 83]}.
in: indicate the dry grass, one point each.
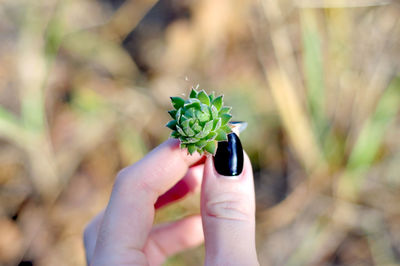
{"type": "Point", "coordinates": [317, 81]}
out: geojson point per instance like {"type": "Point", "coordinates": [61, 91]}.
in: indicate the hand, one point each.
{"type": "Point", "coordinates": [123, 234]}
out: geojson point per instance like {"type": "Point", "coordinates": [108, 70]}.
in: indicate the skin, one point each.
{"type": "Point", "coordinates": [123, 233]}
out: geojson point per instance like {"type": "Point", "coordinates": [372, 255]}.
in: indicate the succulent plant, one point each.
{"type": "Point", "coordinates": [200, 121]}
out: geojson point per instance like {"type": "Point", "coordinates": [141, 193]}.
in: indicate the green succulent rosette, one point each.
{"type": "Point", "coordinates": [200, 121]}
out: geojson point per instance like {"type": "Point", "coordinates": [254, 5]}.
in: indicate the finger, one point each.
{"type": "Point", "coordinates": [129, 215]}
{"type": "Point", "coordinates": [188, 184]}
{"type": "Point", "coordinates": [159, 170]}
{"type": "Point", "coordinates": [164, 240]}
{"type": "Point", "coordinates": [228, 206]}
{"type": "Point", "coordinates": [168, 239]}
{"type": "Point", "coordinates": [201, 161]}
{"type": "Point", "coordinates": [191, 182]}
{"type": "Point", "coordinates": [90, 236]}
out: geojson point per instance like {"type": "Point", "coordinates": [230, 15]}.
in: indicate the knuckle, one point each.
{"type": "Point", "coordinates": [231, 206]}
{"type": "Point", "coordinates": [121, 176]}
{"type": "Point", "coordinates": [123, 180]}
{"type": "Point", "coordinates": [127, 181]}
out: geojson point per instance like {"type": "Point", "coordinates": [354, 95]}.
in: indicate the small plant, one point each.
{"type": "Point", "coordinates": [200, 121]}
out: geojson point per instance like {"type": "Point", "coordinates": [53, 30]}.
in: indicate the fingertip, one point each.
{"type": "Point", "coordinates": [247, 166]}
{"type": "Point", "coordinates": [246, 172]}
{"type": "Point", "coordinates": [228, 211]}
{"type": "Point", "coordinates": [230, 197]}
{"type": "Point", "coordinates": [228, 159]}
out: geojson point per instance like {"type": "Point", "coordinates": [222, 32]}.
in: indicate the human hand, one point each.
{"type": "Point", "coordinates": [123, 234]}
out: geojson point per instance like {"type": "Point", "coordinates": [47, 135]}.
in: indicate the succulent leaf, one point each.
{"type": "Point", "coordinates": [200, 121]}
{"type": "Point", "coordinates": [175, 134]}
{"type": "Point", "coordinates": [202, 116]}
{"type": "Point", "coordinates": [212, 136]}
{"type": "Point", "coordinates": [178, 115]}
{"type": "Point", "coordinates": [208, 126]}
{"type": "Point", "coordinates": [211, 147]}
{"type": "Point", "coordinates": [217, 102]}
{"type": "Point", "coordinates": [214, 112]}
{"type": "Point", "coordinates": [193, 93]}
{"type": "Point", "coordinates": [191, 140]}
{"type": "Point", "coordinates": [177, 102]}
{"type": "Point", "coordinates": [189, 132]}
{"type": "Point", "coordinates": [192, 105]}
{"type": "Point", "coordinates": [196, 127]}
{"type": "Point", "coordinates": [211, 96]}
{"type": "Point", "coordinates": [202, 134]}
{"type": "Point", "coordinates": [180, 131]}
{"type": "Point", "coordinates": [183, 119]}
{"type": "Point", "coordinates": [226, 128]}
{"type": "Point", "coordinates": [217, 124]}
{"type": "Point", "coordinates": [221, 135]}
{"type": "Point", "coordinates": [200, 144]}
{"type": "Point", "coordinates": [171, 124]}
{"type": "Point", "coordinates": [203, 97]}
{"type": "Point", "coordinates": [225, 110]}
{"type": "Point", "coordinates": [184, 123]}
{"type": "Point", "coordinates": [192, 148]}
{"type": "Point", "coordinates": [172, 113]}
{"type": "Point", "coordinates": [225, 119]}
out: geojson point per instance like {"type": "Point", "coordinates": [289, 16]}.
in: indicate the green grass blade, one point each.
{"type": "Point", "coordinates": [372, 134]}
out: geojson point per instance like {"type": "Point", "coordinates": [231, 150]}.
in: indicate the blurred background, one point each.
{"type": "Point", "coordinates": [84, 92]}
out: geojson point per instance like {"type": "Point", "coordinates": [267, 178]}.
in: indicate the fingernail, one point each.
{"type": "Point", "coordinates": [228, 159]}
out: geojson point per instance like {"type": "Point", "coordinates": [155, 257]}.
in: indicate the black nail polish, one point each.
{"type": "Point", "coordinates": [228, 159]}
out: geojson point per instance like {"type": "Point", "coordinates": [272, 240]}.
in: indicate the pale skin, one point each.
{"type": "Point", "coordinates": [124, 234]}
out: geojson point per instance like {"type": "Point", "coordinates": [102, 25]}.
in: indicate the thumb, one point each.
{"type": "Point", "coordinates": [228, 206]}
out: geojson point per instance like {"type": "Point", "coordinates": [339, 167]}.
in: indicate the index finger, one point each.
{"type": "Point", "coordinates": [130, 212]}
{"type": "Point", "coordinates": [160, 169]}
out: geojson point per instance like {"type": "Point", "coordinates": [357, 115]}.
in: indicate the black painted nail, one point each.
{"type": "Point", "coordinates": [228, 159]}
